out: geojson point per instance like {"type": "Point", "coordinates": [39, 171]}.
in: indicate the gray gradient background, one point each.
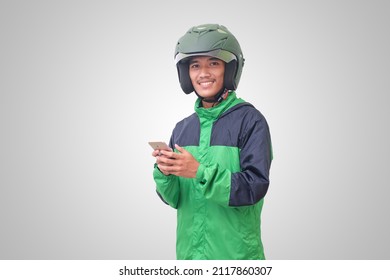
{"type": "Point", "coordinates": [86, 84]}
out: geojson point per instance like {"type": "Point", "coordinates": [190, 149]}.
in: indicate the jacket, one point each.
{"type": "Point", "coordinates": [219, 211]}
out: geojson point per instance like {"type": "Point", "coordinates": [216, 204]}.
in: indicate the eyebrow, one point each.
{"type": "Point", "coordinates": [194, 60]}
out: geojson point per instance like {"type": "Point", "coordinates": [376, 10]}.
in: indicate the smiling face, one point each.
{"type": "Point", "coordinates": [206, 74]}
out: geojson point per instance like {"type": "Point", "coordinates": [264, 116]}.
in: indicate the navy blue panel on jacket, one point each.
{"type": "Point", "coordinates": [186, 132]}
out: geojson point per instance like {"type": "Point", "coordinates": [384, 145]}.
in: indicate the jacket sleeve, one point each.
{"type": "Point", "coordinates": [251, 184]}
{"type": "Point", "coordinates": [248, 186]}
{"type": "Point", "coordinates": [167, 187]}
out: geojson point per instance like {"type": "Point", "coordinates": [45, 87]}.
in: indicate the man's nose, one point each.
{"type": "Point", "coordinates": [204, 72]}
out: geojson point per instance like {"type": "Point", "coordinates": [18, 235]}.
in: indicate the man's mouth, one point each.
{"type": "Point", "coordinates": [206, 83]}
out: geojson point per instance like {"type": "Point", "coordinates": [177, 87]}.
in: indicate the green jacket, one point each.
{"type": "Point", "coordinates": [218, 212]}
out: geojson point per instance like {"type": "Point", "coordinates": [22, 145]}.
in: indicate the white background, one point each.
{"type": "Point", "coordinates": [86, 84]}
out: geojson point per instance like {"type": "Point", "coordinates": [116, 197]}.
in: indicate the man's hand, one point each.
{"type": "Point", "coordinates": [180, 164]}
{"type": "Point", "coordinates": [157, 154]}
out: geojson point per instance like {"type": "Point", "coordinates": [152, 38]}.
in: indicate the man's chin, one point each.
{"type": "Point", "coordinates": [207, 93]}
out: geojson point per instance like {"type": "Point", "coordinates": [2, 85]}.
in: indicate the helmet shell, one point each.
{"type": "Point", "coordinates": [209, 40]}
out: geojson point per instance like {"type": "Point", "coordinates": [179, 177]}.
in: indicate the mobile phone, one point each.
{"type": "Point", "coordinates": [159, 145]}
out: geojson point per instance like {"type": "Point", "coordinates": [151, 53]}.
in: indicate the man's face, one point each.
{"type": "Point", "coordinates": [206, 75]}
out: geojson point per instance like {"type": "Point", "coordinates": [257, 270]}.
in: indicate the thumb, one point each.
{"type": "Point", "coordinates": [180, 149]}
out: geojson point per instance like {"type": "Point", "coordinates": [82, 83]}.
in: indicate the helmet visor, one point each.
{"type": "Point", "coordinates": [220, 54]}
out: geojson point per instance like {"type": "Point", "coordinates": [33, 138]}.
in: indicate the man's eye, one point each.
{"type": "Point", "coordinates": [214, 63]}
{"type": "Point", "coordinates": [194, 66]}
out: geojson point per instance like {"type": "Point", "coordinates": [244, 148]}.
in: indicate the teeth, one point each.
{"type": "Point", "coordinates": [206, 83]}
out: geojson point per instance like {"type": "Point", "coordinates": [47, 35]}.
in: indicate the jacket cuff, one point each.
{"type": "Point", "coordinates": [200, 173]}
{"type": "Point", "coordinates": [157, 172]}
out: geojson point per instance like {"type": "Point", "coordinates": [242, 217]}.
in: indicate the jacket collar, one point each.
{"type": "Point", "coordinates": [215, 112]}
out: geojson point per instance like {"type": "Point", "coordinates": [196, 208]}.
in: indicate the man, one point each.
{"type": "Point", "coordinates": [217, 173]}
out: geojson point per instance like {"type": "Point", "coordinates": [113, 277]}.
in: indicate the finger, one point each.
{"type": "Point", "coordinates": [168, 154]}
{"type": "Point", "coordinates": [170, 169]}
{"type": "Point", "coordinates": [165, 160]}
{"type": "Point", "coordinates": [167, 168]}
{"type": "Point", "coordinates": [163, 169]}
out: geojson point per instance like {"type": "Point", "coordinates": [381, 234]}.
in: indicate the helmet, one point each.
{"type": "Point", "coordinates": [209, 40]}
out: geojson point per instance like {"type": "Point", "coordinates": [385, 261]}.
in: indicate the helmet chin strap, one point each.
{"type": "Point", "coordinates": [216, 98]}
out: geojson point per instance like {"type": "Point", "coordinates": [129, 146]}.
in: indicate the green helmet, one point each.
{"type": "Point", "coordinates": [209, 40]}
